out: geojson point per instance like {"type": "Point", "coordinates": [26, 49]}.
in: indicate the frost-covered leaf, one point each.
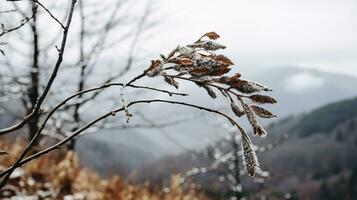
{"type": "Point", "coordinates": [246, 86]}
{"type": "Point", "coordinates": [199, 71]}
{"type": "Point", "coordinates": [249, 156]}
{"type": "Point", "coordinates": [207, 45]}
{"type": "Point", "coordinates": [257, 128]}
{"type": "Point", "coordinates": [223, 59]}
{"type": "Point", "coordinates": [261, 112]}
{"type": "Point", "coordinates": [262, 99]}
{"type": "Point", "coordinates": [236, 110]}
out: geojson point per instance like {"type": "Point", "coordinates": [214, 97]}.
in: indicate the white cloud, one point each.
{"type": "Point", "coordinates": [303, 81]}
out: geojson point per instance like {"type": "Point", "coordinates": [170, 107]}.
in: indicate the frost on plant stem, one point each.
{"type": "Point", "coordinates": [200, 63]}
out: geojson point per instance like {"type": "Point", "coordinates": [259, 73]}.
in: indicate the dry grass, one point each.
{"type": "Point", "coordinates": [59, 176]}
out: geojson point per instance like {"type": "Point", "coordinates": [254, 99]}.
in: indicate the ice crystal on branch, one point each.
{"type": "Point", "coordinates": [200, 63]}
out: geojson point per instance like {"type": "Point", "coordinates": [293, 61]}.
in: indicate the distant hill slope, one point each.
{"type": "Point", "coordinates": [110, 152]}
{"type": "Point", "coordinates": [321, 144]}
{"type": "Point", "coordinates": [326, 118]}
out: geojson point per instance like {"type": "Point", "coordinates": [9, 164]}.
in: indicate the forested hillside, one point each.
{"type": "Point", "coordinates": [319, 152]}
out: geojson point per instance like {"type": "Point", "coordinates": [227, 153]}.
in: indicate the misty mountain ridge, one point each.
{"type": "Point", "coordinates": [309, 156]}
{"type": "Point", "coordinates": [192, 134]}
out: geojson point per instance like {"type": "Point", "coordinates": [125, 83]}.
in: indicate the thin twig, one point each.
{"type": "Point", "coordinates": [23, 22]}
{"type": "Point", "coordinates": [49, 12]}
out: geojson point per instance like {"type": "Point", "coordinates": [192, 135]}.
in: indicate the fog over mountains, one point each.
{"type": "Point", "coordinates": [297, 90]}
{"type": "Point", "coordinates": [320, 148]}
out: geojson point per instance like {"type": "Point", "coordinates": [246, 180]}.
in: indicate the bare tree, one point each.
{"type": "Point", "coordinates": [92, 42]}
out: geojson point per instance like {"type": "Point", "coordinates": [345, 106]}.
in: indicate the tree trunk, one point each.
{"type": "Point", "coordinates": [33, 92]}
{"type": "Point", "coordinates": [82, 77]}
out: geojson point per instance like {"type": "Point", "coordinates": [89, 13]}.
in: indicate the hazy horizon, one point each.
{"type": "Point", "coordinates": [310, 34]}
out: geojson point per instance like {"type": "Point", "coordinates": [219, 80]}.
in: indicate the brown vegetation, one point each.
{"type": "Point", "coordinates": [59, 175]}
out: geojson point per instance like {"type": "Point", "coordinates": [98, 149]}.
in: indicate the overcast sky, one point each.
{"type": "Point", "coordinates": [306, 33]}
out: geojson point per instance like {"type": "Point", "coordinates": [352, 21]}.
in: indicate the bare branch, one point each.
{"type": "Point", "coordinates": [50, 81]}
{"type": "Point", "coordinates": [37, 107]}
{"type": "Point", "coordinates": [22, 161]}
{"type": "Point", "coordinates": [49, 12]}
{"type": "Point", "coordinates": [23, 22]}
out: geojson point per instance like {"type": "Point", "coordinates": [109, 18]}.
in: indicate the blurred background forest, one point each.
{"type": "Point", "coordinates": [306, 51]}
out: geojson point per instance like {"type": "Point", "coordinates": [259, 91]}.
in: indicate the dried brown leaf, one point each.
{"type": "Point", "coordinates": [198, 71]}
{"type": "Point", "coordinates": [185, 61]}
{"type": "Point", "coordinates": [223, 59]}
{"type": "Point", "coordinates": [211, 35]}
{"type": "Point", "coordinates": [235, 77]}
{"type": "Point", "coordinates": [154, 69]}
{"type": "Point", "coordinates": [220, 71]}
